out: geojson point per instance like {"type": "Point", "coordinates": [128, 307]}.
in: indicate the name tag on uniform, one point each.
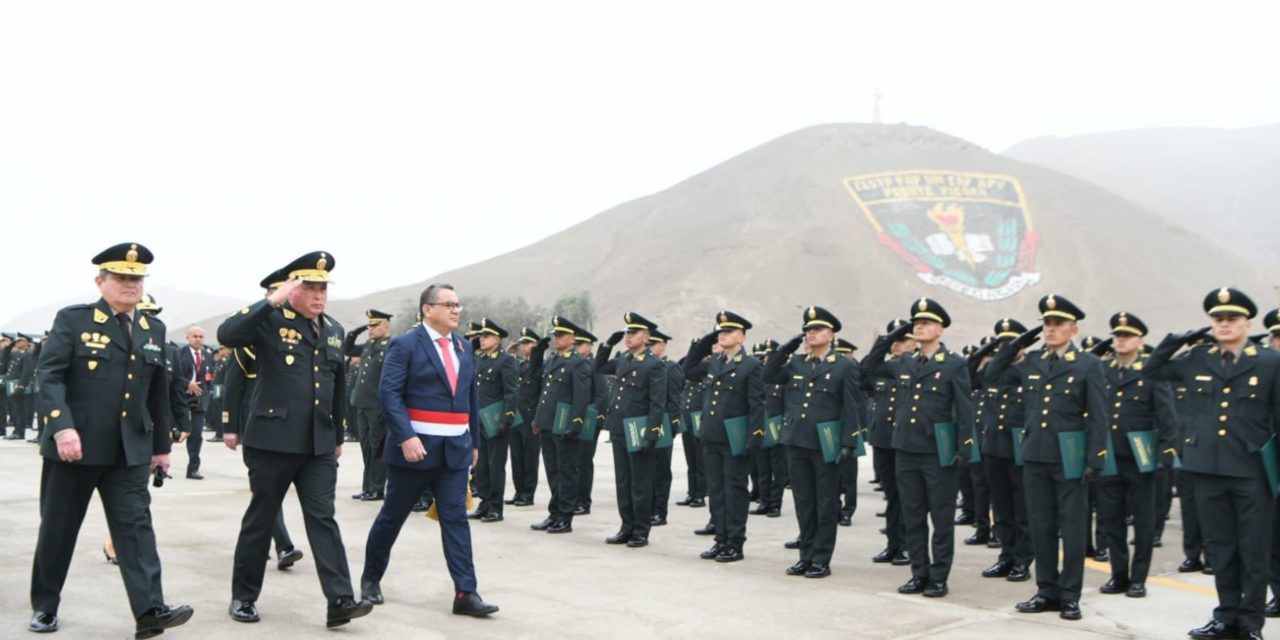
{"type": "Point", "coordinates": [1034, 376]}
{"type": "Point", "coordinates": [1204, 378]}
{"type": "Point", "coordinates": [1253, 381]}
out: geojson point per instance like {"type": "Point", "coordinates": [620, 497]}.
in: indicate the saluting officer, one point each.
{"type": "Point", "coordinates": [641, 394]}
{"type": "Point", "coordinates": [822, 413]}
{"type": "Point", "coordinates": [696, 476]}
{"type": "Point", "coordinates": [1064, 393]}
{"type": "Point", "coordinates": [525, 446]}
{"type": "Point", "coordinates": [1227, 453]}
{"type": "Point", "coordinates": [497, 381]}
{"type": "Point", "coordinates": [884, 395]}
{"type": "Point", "coordinates": [101, 372]}
{"type": "Point", "coordinates": [771, 459]}
{"type": "Point", "coordinates": [371, 426]}
{"type": "Point", "coordinates": [658, 342]}
{"type": "Point", "coordinates": [566, 380]}
{"type": "Point", "coordinates": [1144, 409]}
{"type": "Point", "coordinates": [585, 344]}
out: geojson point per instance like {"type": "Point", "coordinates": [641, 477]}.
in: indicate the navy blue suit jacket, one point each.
{"type": "Point", "coordinates": [413, 377]}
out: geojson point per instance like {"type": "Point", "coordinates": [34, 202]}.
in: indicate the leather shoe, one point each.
{"type": "Point", "coordinates": [1190, 565]}
{"type": "Point", "coordinates": [1207, 570]}
{"type": "Point", "coordinates": [155, 621]}
{"type": "Point", "coordinates": [582, 510]}
{"type": "Point", "coordinates": [817, 571]}
{"type": "Point", "coordinates": [492, 516]}
{"type": "Point", "coordinates": [846, 520]}
{"type": "Point", "coordinates": [559, 527]}
{"type": "Point", "coordinates": [620, 537]}
{"type": "Point", "coordinates": [1250, 634]}
{"type": "Point", "coordinates": [698, 502]}
{"type": "Point", "coordinates": [1273, 609]}
{"type": "Point", "coordinates": [288, 559]}
{"type": "Point", "coordinates": [1019, 573]}
{"type": "Point", "coordinates": [469, 603]}
{"type": "Point", "coordinates": [709, 530]}
{"type": "Point", "coordinates": [913, 586]}
{"type": "Point", "coordinates": [1101, 556]}
{"type": "Point", "coordinates": [1116, 584]}
{"type": "Point", "coordinates": [884, 556]}
{"type": "Point", "coordinates": [43, 622]}
{"type": "Point", "coordinates": [474, 515]}
{"type": "Point", "coordinates": [244, 611]}
{"type": "Point", "coordinates": [509, 501]}
{"type": "Point", "coordinates": [977, 539]}
{"type": "Point", "coordinates": [964, 518]}
{"type": "Point", "coordinates": [792, 544]}
{"type": "Point", "coordinates": [684, 502]}
{"type": "Point", "coordinates": [998, 570]}
{"type": "Point", "coordinates": [638, 541]}
{"type": "Point", "coordinates": [1038, 604]}
{"type": "Point", "coordinates": [421, 506]}
{"type": "Point", "coordinates": [1070, 610]}
{"type": "Point", "coordinates": [994, 543]}
{"type": "Point", "coordinates": [712, 553]}
{"type": "Point", "coordinates": [1215, 630]}
{"type": "Point", "coordinates": [1137, 590]}
{"type": "Point", "coordinates": [371, 591]}
{"type": "Point", "coordinates": [195, 475]}
{"type": "Point", "coordinates": [901, 560]}
{"type": "Point", "coordinates": [882, 514]}
{"type": "Point", "coordinates": [798, 569]}
{"type": "Point", "coordinates": [774, 512]}
{"type": "Point", "coordinates": [522, 502]}
{"type": "Point", "coordinates": [657, 521]}
{"type": "Point", "coordinates": [372, 496]}
{"type": "Point", "coordinates": [759, 510]}
{"type": "Point", "coordinates": [936, 589]}
{"type": "Point", "coordinates": [357, 496]}
{"type": "Point", "coordinates": [730, 554]}
{"type": "Point", "coordinates": [346, 609]}
{"type": "Point", "coordinates": [542, 526]}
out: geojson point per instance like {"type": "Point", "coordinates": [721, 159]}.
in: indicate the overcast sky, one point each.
{"type": "Point", "coordinates": [408, 138]}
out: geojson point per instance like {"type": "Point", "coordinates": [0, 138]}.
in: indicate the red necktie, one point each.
{"type": "Point", "coordinates": [448, 363]}
{"type": "Point", "coordinates": [199, 361]}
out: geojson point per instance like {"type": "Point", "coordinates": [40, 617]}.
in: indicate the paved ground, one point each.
{"type": "Point", "coordinates": [571, 586]}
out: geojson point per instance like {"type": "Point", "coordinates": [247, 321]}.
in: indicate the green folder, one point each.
{"type": "Point", "coordinates": [1018, 434]}
{"type": "Point", "coordinates": [560, 424]}
{"type": "Point", "coordinates": [1071, 444]}
{"type": "Point", "coordinates": [1143, 445]}
{"type": "Point", "coordinates": [860, 444]}
{"type": "Point", "coordinates": [735, 429]}
{"type": "Point", "coordinates": [679, 427]}
{"type": "Point", "coordinates": [695, 418]}
{"type": "Point", "coordinates": [217, 392]}
{"type": "Point", "coordinates": [772, 431]}
{"type": "Point", "coordinates": [634, 430]}
{"type": "Point", "coordinates": [491, 418]}
{"type": "Point", "coordinates": [1271, 464]}
{"type": "Point", "coordinates": [944, 434]}
{"type": "Point", "coordinates": [666, 437]}
{"type": "Point", "coordinates": [588, 432]}
{"type": "Point", "coordinates": [829, 438]}
{"type": "Point", "coordinates": [10, 386]}
{"type": "Point", "coordinates": [1109, 460]}
{"type": "Point", "coordinates": [975, 452]}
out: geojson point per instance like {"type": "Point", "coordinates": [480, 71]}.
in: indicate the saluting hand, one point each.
{"type": "Point", "coordinates": [791, 345]}
{"type": "Point", "coordinates": [68, 445]}
{"type": "Point", "coordinates": [1029, 338]}
{"type": "Point", "coordinates": [280, 295]}
{"type": "Point", "coordinates": [614, 339]}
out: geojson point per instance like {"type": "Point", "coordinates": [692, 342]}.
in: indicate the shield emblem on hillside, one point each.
{"type": "Point", "coordinates": [968, 232]}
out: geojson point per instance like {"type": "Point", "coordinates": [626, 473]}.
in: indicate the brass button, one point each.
{"type": "Point", "coordinates": [918, 385]}
{"type": "Point", "coordinates": [1047, 399]}
{"type": "Point", "coordinates": [1048, 387]}
{"type": "Point", "coordinates": [1226, 390]}
{"type": "Point", "coordinates": [802, 416]}
{"type": "Point", "coordinates": [316, 352]}
{"type": "Point", "coordinates": [317, 401]}
{"type": "Point", "coordinates": [1118, 405]}
{"type": "Point", "coordinates": [1222, 418]}
{"type": "Point", "coordinates": [124, 414]}
{"type": "Point", "coordinates": [131, 376]}
{"type": "Point", "coordinates": [271, 410]}
{"type": "Point", "coordinates": [1002, 407]}
{"type": "Point", "coordinates": [1225, 404]}
{"type": "Point", "coordinates": [1222, 432]}
{"type": "Point", "coordinates": [713, 412]}
{"type": "Point", "coordinates": [1044, 412]}
{"type": "Point", "coordinates": [1000, 427]}
{"type": "Point", "coordinates": [126, 396]}
{"type": "Point", "coordinates": [805, 405]}
{"type": "Point", "coordinates": [1044, 425]}
{"type": "Point", "coordinates": [915, 397]}
{"type": "Point", "coordinates": [315, 368]}
{"type": "Point", "coordinates": [133, 357]}
{"type": "Point", "coordinates": [1115, 427]}
{"type": "Point", "coordinates": [913, 409]}
{"type": "Point", "coordinates": [1001, 416]}
{"type": "Point", "coordinates": [913, 421]}
{"type": "Point", "coordinates": [1116, 416]}
{"type": "Point", "coordinates": [317, 385]}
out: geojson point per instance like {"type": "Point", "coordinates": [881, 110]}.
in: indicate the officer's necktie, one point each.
{"type": "Point", "coordinates": [1053, 361]}
{"type": "Point", "coordinates": [447, 354]}
{"type": "Point", "coordinates": [126, 327]}
{"type": "Point", "coordinates": [1228, 359]}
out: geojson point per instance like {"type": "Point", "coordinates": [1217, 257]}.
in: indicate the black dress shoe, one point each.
{"type": "Point", "coordinates": [759, 510]}
{"type": "Point", "coordinates": [243, 611]}
{"type": "Point", "coordinates": [542, 526]}
{"type": "Point", "coordinates": [964, 518]}
{"type": "Point", "coordinates": [1207, 570]}
{"type": "Point", "coordinates": [901, 560]}
{"type": "Point", "coordinates": [638, 541]}
{"type": "Point", "coordinates": [492, 516]}
{"type": "Point", "coordinates": [1137, 590]}
{"type": "Point", "coordinates": [798, 569]}
{"type": "Point", "coordinates": [1101, 556]}
{"type": "Point", "coordinates": [994, 543]}
{"type": "Point", "coordinates": [1250, 634]}
{"type": "Point", "coordinates": [421, 506]}
{"type": "Point", "coordinates": [885, 556]}
{"type": "Point", "coordinates": [657, 521]}
{"type": "Point", "coordinates": [344, 610]}
{"type": "Point", "coordinates": [359, 496]}
{"type": "Point", "coordinates": [1273, 609]}
{"type": "Point", "coordinates": [698, 502]}
{"type": "Point", "coordinates": [371, 591]}
{"type": "Point", "coordinates": [1189, 565]}
{"type": "Point", "coordinates": [195, 475]}
{"type": "Point", "coordinates": [817, 571]}
{"type": "Point", "coordinates": [560, 527]}
{"type": "Point", "coordinates": [1019, 573]}
{"type": "Point", "coordinates": [712, 553]}
{"type": "Point", "coordinates": [477, 514]}
{"type": "Point", "coordinates": [620, 537]}
{"type": "Point", "coordinates": [936, 589]}
{"type": "Point", "coordinates": [522, 502]}
{"type": "Point", "coordinates": [775, 512]}
{"type": "Point", "coordinates": [42, 622]}
{"type": "Point", "coordinates": [582, 510]}
{"type": "Point", "coordinates": [1116, 584]}
{"type": "Point", "coordinates": [977, 539]}
{"type": "Point", "coordinates": [469, 603]}
{"type": "Point", "coordinates": [846, 520]}
{"type": "Point", "coordinates": [878, 488]}
{"type": "Point", "coordinates": [155, 621]}
{"type": "Point", "coordinates": [882, 514]}
{"type": "Point", "coordinates": [509, 501]}
{"type": "Point", "coordinates": [1215, 630]}
{"type": "Point", "coordinates": [1070, 610]}
{"type": "Point", "coordinates": [709, 530]}
{"type": "Point", "coordinates": [998, 570]}
{"type": "Point", "coordinates": [684, 502]}
{"type": "Point", "coordinates": [913, 586]}
{"type": "Point", "coordinates": [373, 496]}
{"type": "Point", "coordinates": [288, 559]}
{"type": "Point", "coordinates": [1038, 604]}
{"type": "Point", "coordinates": [1156, 542]}
{"type": "Point", "coordinates": [792, 544]}
{"type": "Point", "coordinates": [730, 554]}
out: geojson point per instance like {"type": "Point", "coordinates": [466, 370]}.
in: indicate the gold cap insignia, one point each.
{"type": "Point", "coordinates": [132, 255]}
{"type": "Point", "coordinates": [1124, 319]}
{"type": "Point", "coordinates": [1050, 303]}
{"type": "Point", "coordinates": [724, 317]}
{"type": "Point", "coordinates": [923, 305]}
{"type": "Point", "coordinates": [1224, 295]}
{"type": "Point", "coordinates": [813, 312]}
{"type": "Point", "coordinates": [627, 318]}
{"type": "Point", "coordinates": [1004, 326]}
{"type": "Point", "coordinates": [322, 263]}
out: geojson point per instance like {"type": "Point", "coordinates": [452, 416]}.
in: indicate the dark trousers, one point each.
{"type": "Point", "coordinates": [270, 475]}
{"type": "Point", "coordinates": [524, 461]}
{"type": "Point", "coordinates": [697, 476]}
{"type": "Point", "coordinates": [927, 488]}
{"type": "Point", "coordinates": [371, 430]}
{"type": "Point", "coordinates": [404, 487]}
{"type": "Point", "coordinates": [21, 408]}
{"type": "Point", "coordinates": [195, 441]}
{"type": "Point", "coordinates": [65, 491]}
{"type": "Point", "coordinates": [280, 535]}
{"type": "Point", "coordinates": [884, 461]}
{"type": "Point", "coordinates": [815, 488]}
{"type": "Point", "coordinates": [1192, 539]}
{"type": "Point", "coordinates": [587, 470]}
{"type": "Point", "coordinates": [1056, 504]}
{"type": "Point", "coordinates": [848, 471]}
{"type": "Point", "coordinates": [634, 479]}
{"type": "Point", "coordinates": [1092, 520]}
{"type": "Point", "coordinates": [727, 492]}
{"type": "Point", "coordinates": [1128, 492]}
{"type": "Point", "coordinates": [771, 467]}
{"type": "Point", "coordinates": [215, 410]}
{"type": "Point", "coordinates": [1164, 501]}
{"type": "Point", "coordinates": [1236, 520]}
{"type": "Point", "coordinates": [560, 457]}
{"type": "Point", "coordinates": [1274, 575]}
{"type": "Point", "coordinates": [4, 407]}
{"type": "Point", "coordinates": [491, 472]}
{"type": "Point", "coordinates": [976, 494]}
{"type": "Point", "coordinates": [1004, 479]}
{"type": "Point", "coordinates": [662, 480]}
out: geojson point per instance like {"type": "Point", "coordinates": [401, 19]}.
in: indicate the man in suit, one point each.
{"type": "Point", "coordinates": [193, 369]}
{"type": "Point", "coordinates": [558, 421]}
{"type": "Point", "coordinates": [293, 432]}
{"type": "Point", "coordinates": [1228, 453]}
{"type": "Point", "coordinates": [101, 371]}
{"type": "Point", "coordinates": [430, 402]}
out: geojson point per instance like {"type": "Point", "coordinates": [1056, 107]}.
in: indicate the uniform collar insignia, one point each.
{"type": "Point", "coordinates": [289, 314]}
{"type": "Point", "coordinates": [142, 322]}
{"type": "Point", "coordinates": [99, 317]}
{"type": "Point", "coordinates": [940, 356]}
{"type": "Point", "coordinates": [831, 358]}
{"type": "Point", "coordinates": [1069, 356]}
{"type": "Point", "coordinates": [1251, 350]}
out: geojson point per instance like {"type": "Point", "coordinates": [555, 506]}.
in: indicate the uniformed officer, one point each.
{"type": "Point", "coordinates": [101, 370]}
{"type": "Point", "coordinates": [933, 430]}
{"type": "Point", "coordinates": [658, 342]}
{"type": "Point", "coordinates": [884, 394]}
{"type": "Point", "coordinates": [497, 381]}
{"type": "Point", "coordinates": [6, 348]}
{"type": "Point", "coordinates": [822, 413]}
{"type": "Point", "coordinates": [19, 376]}
{"type": "Point", "coordinates": [1271, 322]}
{"type": "Point", "coordinates": [371, 428]}
{"type": "Point", "coordinates": [849, 468]}
{"type": "Point", "coordinates": [585, 343]}
{"type": "Point", "coordinates": [1064, 393]}
{"type": "Point", "coordinates": [733, 423]}
{"type": "Point", "coordinates": [771, 458]}
{"type": "Point", "coordinates": [638, 404]}
{"type": "Point", "coordinates": [1144, 409]}
{"type": "Point", "coordinates": [525, 446]}
{"type": "Point", "coordinates": [558, 421]}
{"type": "Point", "coordinates": [1000, 412]}
{"type": "Point", "coordinates": [293, 433]}
{"type": "Point", "coordinates": [691, 398]}
{"type": "Point", "coordinates": [1228, 453]}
